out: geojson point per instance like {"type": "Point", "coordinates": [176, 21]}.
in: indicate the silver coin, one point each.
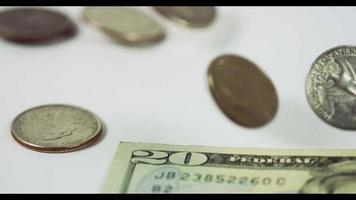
{"type": "Point", "coordinates": [126, 25]}
{"type": "Point", "coordinates": [56, 128]}
{"type": "Point", "coordinates": [191, 16]}
{"type": "Point", "coordinates": [331, 87]}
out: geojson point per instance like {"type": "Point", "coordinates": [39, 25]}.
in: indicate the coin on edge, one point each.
{"type": "Point", "coordinates": [126, 25]}
{"type": "Point", "coordinates": [35, 25]}
{"type": "Point", "coordinates": [191, 16]}
{"type": "Point", "coordinates": [56, 128]}
{"type": "Point", "coordinates": [331, 87]}
{"type": "Point", "coordinates": [242, 91]}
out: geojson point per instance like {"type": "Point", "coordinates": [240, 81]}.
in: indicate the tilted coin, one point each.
{"type": "Point", "coordinates": [127, 25]}
{"type": "Point", "coordinates": [32, 25]}
{"type": "Point", "coordinates": [56, 128]}
{"type": "Point", "coordinates": [192, 16]}
{"type": "Point", "coordinates": [242, 91]}
{"type": "Point", "coordinates": [331, 87]}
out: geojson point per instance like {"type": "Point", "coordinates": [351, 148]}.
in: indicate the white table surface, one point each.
{"type": "Point", "coordinates": [160, 94]}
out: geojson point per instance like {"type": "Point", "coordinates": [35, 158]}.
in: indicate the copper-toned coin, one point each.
{"type": "Point", "coordinates": [242, 91]}
{"type": "Point", "coordinates": [33, 25]}
{"type": "Point", "coordinates": [56, 128]}
{"type": "Point", "coordinates": [336, 178]}
{"type": "Point", "coordinates": [192, 16]}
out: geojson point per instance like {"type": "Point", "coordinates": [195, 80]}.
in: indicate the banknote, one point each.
{"type": "Point", "coordinates": [161, 168]}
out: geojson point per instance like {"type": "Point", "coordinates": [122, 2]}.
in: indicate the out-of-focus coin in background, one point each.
{"type": "Point", "coordinates": [35, 26]}
{"type": "Point", "coordinates": [126, 25]}
{"type": "Point", "coordinates": [192, 16]}
{"type": "Point", "coordinates": [336, 178]}
{"type": "Point", "coordinates": [242, 91]}
{"type": "Point", "coordinates": [331, 87]}
{"type": "Point", "coordinates": [56, 128]}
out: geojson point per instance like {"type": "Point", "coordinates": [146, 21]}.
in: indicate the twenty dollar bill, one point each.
{"type": "Point", "coordinates": [159, 168]}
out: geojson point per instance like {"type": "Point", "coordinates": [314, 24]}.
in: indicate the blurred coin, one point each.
{"type": "Point", "coordinates": [32, 25]}
{"type": "Point", "coordinates": [127, 25]}
{"type": "Point", "coordinates": [337, 178]}
{"type": "Point", "coordinates": [56, 128]}
{"type": "Point", "coordinates": [331, 87]}
{"type": "Point", "coordinates": [192, 16]}
{"type": "Point", "coordinates": [242, 91]}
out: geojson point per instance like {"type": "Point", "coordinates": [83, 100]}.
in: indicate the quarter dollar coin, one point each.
{"type": "Point", "coordinates": [331, 87]}
{"type": "Point", "coordinates": [56, 128]}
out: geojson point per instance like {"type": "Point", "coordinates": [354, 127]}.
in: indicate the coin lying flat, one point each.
{"type": "Point", "coordinates": [192, 16]}
{"type": "Point", "coordinates": [242, 91]}
{"type": "Point", "coordinates": [32, 25]}
{"type": "Point", "coordinates": [56, 128]}
{"type": "Point", "coordinates": [331, 87]}
{"type": "Point", "coordinates": [126, 25]}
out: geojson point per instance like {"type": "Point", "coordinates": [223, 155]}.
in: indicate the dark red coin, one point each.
{"type": "Point", "coordinates": [32, 25]}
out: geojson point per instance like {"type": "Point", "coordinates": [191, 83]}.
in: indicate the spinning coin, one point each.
{"type": "Point", "coordinates": [56, 128]}
{"type": "Point", "coordinates": [242, 91]}
{"type": "Point", "coordinates": [31, 25]}
{"type": "Point", "coordinates": [331, 87]}
{"type": "Point", "coordinates": [192, 16]}
{"type": "Point", "coordinates": [129, 26]}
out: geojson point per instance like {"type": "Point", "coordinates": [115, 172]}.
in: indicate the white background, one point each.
{"type": "Point", "coordinates": [160, 94]}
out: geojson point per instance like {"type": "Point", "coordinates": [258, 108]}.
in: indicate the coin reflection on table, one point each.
{"type": "Point", "coordinates": [242, 91]}
{"type": "Point", "coordinates": [56, 128]}
{"type": "Point", "coordinates": [191, 16]}
{"type": "Point", "coordinates": [126, 25]}
{"type": "Point", "coordinates": [35, 26]}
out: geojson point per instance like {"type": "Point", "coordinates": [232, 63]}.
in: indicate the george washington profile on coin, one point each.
{"type": "Point", "coordinates": [56, 128]}
{"type": "Point", "coordinates": [331, 87]}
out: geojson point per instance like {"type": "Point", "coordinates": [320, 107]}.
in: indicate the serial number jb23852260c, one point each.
{"type": "Point", "coordinates": [221, 178]}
